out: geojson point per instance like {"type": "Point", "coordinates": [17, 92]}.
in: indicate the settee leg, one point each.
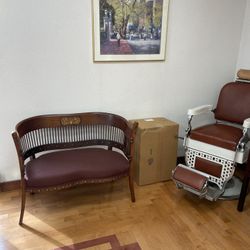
{"type": "Point", "coordinates": [23, 200]}
{"type": "Point", "coordinates": [131, 187]}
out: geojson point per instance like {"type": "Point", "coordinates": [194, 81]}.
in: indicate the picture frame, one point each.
{"type": "Point", "coordinates": [129, 30]}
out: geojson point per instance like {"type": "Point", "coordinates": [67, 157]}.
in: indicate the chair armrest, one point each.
{"type": "Point", "coordinates": [196, 111]}
{"type": "Point", "coordinates": [246, 123]}
{"type": "Point", "coordinates": [199, 110]}
{"type": "Point", "coordinates": [245, 137]}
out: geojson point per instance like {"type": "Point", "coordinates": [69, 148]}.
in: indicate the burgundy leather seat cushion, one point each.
{"type": "Point", "coordinates": [219, 135]}
{"type": "Point", "coordinates": [67, 166]}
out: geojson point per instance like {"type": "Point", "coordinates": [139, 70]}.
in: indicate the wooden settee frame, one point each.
{"type": "Point", "coordinates": [44, 134]}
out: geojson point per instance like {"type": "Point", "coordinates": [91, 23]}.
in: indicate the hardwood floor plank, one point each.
{"type": "Point", "coordinates": [162, 218]}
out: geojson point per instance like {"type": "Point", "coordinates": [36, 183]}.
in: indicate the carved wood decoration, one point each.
{"type": "Point", "coordinates": [65, 121]}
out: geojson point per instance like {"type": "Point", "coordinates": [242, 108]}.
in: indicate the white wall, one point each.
{"type": "Point", "coordinates": [46, 65]}
{"type": "Point", "coordinates": [244, 55]}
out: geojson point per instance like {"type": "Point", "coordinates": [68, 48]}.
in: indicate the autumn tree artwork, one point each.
{"type": "Point", "coordinates": [131, 27]}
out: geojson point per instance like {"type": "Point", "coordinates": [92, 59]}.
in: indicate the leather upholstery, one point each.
{"type": "Point", "coordinates": [219, 135]}
{"type": "Point", "coordinates": [234, 102]}
{"type": "Point", "coordinates": [208, 167]}
{"type": "Point", "coordinates": [67, 166]}
{"type": "Point", "coordinates": [189, 178]}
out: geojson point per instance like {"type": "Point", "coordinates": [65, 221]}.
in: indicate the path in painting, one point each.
{"type": "Point", "coordinates": [111, 48]}
{"type": "Point", "coordinates": [130, 47]}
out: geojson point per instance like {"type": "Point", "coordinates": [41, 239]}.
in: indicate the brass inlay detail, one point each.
{"type": "Point", "coordinates": [70, 121]}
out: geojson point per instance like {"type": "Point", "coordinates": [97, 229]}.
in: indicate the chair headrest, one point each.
{"type": "Point", "coordinates": [244, 74]}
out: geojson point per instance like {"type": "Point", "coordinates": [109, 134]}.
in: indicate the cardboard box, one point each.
{"type": "Point", "coordinates": [155, 150]}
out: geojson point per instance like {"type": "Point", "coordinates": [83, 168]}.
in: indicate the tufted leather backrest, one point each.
{"type": "Point", "coordinates": [234, 102]}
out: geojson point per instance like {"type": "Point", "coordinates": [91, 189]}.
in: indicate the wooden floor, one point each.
{"type": "Point", "coordinates": [162, 218]}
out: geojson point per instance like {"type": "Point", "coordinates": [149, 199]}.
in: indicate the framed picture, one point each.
{"type": "Point", "coordinates": [129, 30]}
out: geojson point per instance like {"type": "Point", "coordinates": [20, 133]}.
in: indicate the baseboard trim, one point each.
{"type": "Point", "coordinates": [10, 185]}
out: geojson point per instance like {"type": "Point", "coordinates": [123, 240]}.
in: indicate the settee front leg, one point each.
{"type": "Point", "coordinates": [23, 201]}
{"type": "Point", "coordinates": [131, 187]}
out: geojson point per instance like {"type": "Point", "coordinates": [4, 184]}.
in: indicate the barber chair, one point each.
{"type": "Point", "coordinates": [213, 151]}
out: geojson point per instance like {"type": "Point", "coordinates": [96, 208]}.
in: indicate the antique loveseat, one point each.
{"type": "Point", "coordinates": [61, 151]}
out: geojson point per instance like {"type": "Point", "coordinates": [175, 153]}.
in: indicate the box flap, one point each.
{"type": "Point", "coordinates": [155, 122]}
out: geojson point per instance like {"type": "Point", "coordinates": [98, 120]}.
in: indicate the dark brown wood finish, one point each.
{"type": "Point", "coordinates": [56, 132]}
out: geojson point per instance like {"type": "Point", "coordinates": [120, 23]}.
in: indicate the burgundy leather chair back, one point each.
{"type": "Point", "coordinates": [234, 102]}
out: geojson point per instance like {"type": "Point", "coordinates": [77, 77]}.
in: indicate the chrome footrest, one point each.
{"type": "Point", "coordinates": [195, 182]}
